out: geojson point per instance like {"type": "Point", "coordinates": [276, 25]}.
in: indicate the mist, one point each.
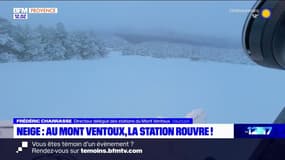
{"type": "Point", "coordinates": [159, 18]}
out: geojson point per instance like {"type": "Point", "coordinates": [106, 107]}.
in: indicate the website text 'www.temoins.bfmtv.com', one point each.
{"type": "Point", "coordinates": [111, 151]}
{"type": "Point", "coordinates": [90, 151]}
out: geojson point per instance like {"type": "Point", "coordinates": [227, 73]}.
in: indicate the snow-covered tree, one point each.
{"type": "Point", "coordinates": [9, 46]}
{"type": "Point", "coordinates": [86, 45]}
{"type": "Point", "coordinates": [46, 43]}
{"type": "Point", "coordinates": [5, 25]}
{"type": "Point", "coordinates": [30, 40]}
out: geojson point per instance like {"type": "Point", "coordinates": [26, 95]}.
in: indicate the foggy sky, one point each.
{"type": "Point", "coordinates": [207, 18]}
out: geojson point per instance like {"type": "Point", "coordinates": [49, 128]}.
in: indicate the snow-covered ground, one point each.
{"type": "Point", "coordinates": [163, 48]}
{"type": "Point", "coordinates": [139, 86]}
{"type": "Point", "coordinates": [6, 129]}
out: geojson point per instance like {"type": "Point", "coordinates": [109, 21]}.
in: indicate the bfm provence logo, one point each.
{"type": "Point", "coordinates": [22, 13]}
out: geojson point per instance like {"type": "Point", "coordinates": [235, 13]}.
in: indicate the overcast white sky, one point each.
{"type": "Point", "coordinates": [210, 18]}
{"type": "Point", "coordinates": [141, 86]}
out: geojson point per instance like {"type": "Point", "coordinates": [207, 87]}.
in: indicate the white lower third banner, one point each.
{"type": "Point", "coordinates": [120, 131]}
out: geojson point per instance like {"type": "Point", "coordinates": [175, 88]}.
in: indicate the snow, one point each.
{"type": "Point", "coordinates": [24, 43]}
{"type": "Point", "coordinates": [6, 57]}
{"type": "Point", "coordinates": [4, 38]}
{"type": "Point", "coordinates": [163, 48]}
{"type": "Point", "coordinates": [39, 43]}
{"type": "Point", "coordinates": [139, 86]}
{"type": "Point", "coordinates": [6, 130]}
{"type": "Point", "coordinates": [198, 115]}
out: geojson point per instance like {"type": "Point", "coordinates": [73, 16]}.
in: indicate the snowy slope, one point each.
{"type": "Point", "coordinates": [163, 48]}
{"type": "Point", "coordinates": [135, 86]}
